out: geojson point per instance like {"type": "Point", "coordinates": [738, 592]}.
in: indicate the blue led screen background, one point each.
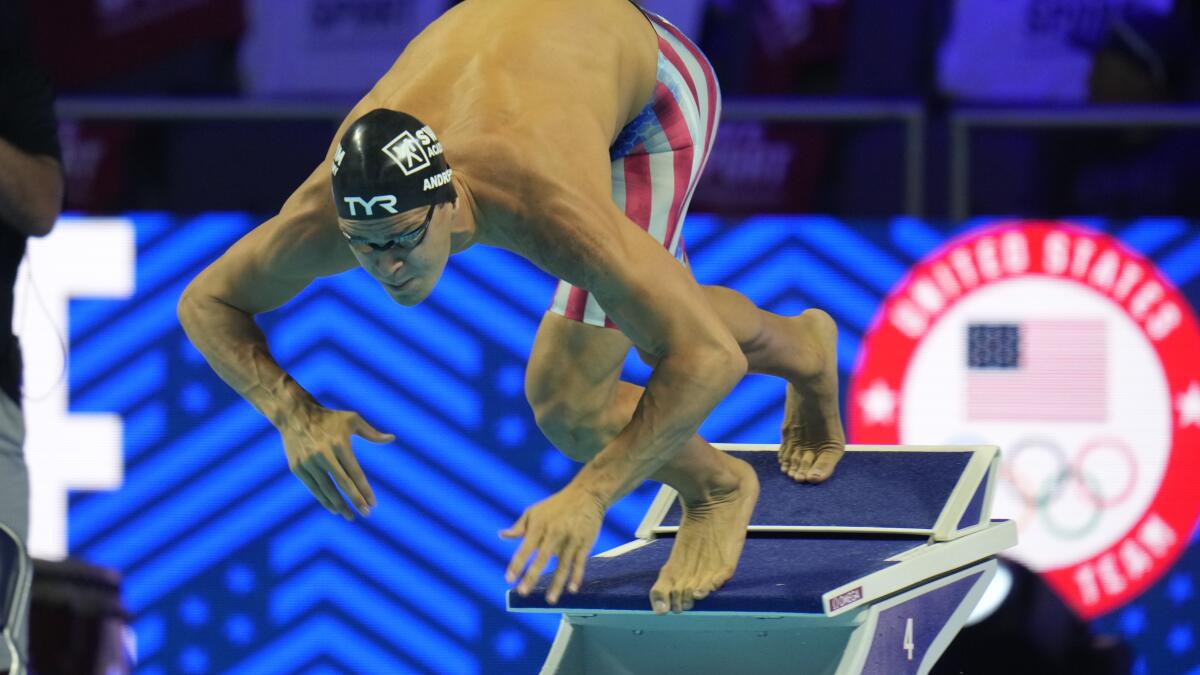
{"type": "Point", "coordinates": [230, 565]}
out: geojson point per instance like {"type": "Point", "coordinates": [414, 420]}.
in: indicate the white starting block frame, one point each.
{"type": "Point", "coordinates": [896, 617]}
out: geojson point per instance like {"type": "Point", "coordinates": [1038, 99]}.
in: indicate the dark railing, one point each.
{"type": "Point", "coordinates": [908, 113]}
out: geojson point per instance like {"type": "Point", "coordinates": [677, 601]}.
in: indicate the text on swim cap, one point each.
{"type": "Point", "coordinates": [432, 147]}
{"type": "Point", "coordinates": [337, 159]}
{"type": "Point", "coordinates": [385, 202]}
{"type": "Point", "coordinates": [437, 181]}
{"type": "Point", "coordinates": [411, 153]}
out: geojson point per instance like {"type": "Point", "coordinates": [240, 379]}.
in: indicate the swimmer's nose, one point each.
{"type": "Point", "coordinates": [388, 265]}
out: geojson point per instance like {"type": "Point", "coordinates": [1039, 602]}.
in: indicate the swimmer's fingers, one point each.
{"type": "Point", "coordinates": [559, 526]}
{"type": "Point", "coordinates": [534, 572]}
{"type": "Point", "coordinates": [326, 491]}
{"type": "Point", "coordinates": [311, 483]}
{"type": "Point", "coordinates": [581, 557]}
{"type": "Point", "coordinates": [330, 462]}
{"type": "Point", "coordinates": [350, 463]}
{"type": "Point", "coordinates": [519, 530]}
{"type": "Point", "coordinates": [569, 572]}
{"type": "Point", "coordinates": [362, 428]}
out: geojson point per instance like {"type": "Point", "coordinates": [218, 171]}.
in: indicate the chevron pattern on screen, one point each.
{"type": "Point", "coordinates": [231, 566]}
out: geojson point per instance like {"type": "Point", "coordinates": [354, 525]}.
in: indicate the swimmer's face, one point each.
{"type": "Point", "coordinates": [406, 253]}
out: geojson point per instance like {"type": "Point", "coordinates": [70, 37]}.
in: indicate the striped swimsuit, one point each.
{"type": "Point", "coordinates": [658, 158]}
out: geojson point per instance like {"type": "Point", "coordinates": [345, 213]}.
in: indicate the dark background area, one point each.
{"type": "Point", "coordinates": [268, 55]}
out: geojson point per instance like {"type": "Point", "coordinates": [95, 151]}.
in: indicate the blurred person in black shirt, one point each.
{"type": "Point", "coordinates": [31, 195]}
{"type": "Point", "coordinates": [1144, 58]}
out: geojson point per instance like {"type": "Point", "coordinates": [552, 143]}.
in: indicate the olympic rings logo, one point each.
{"type": "Point", "coordinates": [1050, 485]}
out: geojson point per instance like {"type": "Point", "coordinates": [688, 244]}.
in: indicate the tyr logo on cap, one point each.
{"type": "Point", "coordinates": [386, 202]}
{"type": "Point", "coordinates": [408, 153]}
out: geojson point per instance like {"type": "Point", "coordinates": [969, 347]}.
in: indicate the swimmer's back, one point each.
{"type": "Point", "coordinates": [489, 66]}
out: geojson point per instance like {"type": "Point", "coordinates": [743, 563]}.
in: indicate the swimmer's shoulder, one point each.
{"type": "Point", "coordinates": [303, 238]}
{"type": "Point", "coordinates": [543, 211]}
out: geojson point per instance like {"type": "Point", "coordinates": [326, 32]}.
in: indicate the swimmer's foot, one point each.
{"type": "Point", "coordinates": [710, 539]}
{"type": "Point", "coordinates": [812, 436]}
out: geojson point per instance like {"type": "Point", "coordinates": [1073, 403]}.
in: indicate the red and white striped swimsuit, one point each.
{"type": "Point", "coordinates": [657, 158]}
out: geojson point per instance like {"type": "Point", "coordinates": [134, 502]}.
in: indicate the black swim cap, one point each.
{"type": "Point", "coordinates": [388, 162]}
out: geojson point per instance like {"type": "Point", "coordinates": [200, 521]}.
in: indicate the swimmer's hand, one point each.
{"type": "Point", "coordinates": [317, 443]}
{"type": "Point", "coordinates": [565, 526]}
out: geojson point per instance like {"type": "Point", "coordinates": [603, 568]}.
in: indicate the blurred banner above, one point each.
{"type": "Point", "coordinates": [84, 43]}
{"type": "Point", "coordinates": [231, 566]}
{"type": "Point", "coordinates": [327, 48]}
{"type": "Point", "coordinates": [1030, 51]}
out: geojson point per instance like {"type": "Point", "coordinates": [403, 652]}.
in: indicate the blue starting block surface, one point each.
{"type": "Point", "coordinates": [880, 499]}
{"type": "Point", "coordinates": [873, 571]}
{"type": "Point", "coordinates": [770, 578]}
{"type": "Point", "coordinates": [939, 492]}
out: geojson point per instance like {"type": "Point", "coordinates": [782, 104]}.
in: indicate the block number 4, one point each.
{"type": "Point", "coordinates": [908, 638]}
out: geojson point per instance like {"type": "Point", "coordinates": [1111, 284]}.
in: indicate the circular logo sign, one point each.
{"type": "Point", "coordinates": [1080, 361]}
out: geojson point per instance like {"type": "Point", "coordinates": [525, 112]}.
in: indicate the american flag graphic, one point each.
{"type": "Point", "coordinates": [1053, 370]}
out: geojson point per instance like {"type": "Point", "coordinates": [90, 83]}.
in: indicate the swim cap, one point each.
{"type": "Point", "coordinates": [388, 162]}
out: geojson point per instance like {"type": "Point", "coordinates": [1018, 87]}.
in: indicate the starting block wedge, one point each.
{"type": "Point", "coordinates": [871, 572]}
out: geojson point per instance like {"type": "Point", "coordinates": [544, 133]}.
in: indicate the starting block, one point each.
{"type": "Point", "coordinates": [873, 571]}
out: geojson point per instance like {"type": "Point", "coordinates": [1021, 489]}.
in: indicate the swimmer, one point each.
{"type": "Point", "coordinates": [572, 133]}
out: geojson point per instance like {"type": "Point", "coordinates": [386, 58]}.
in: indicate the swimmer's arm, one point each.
{"type": "Point", "coordinates": [263, 270]}
{"type": "Point", "coordinates": [660, 307]}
